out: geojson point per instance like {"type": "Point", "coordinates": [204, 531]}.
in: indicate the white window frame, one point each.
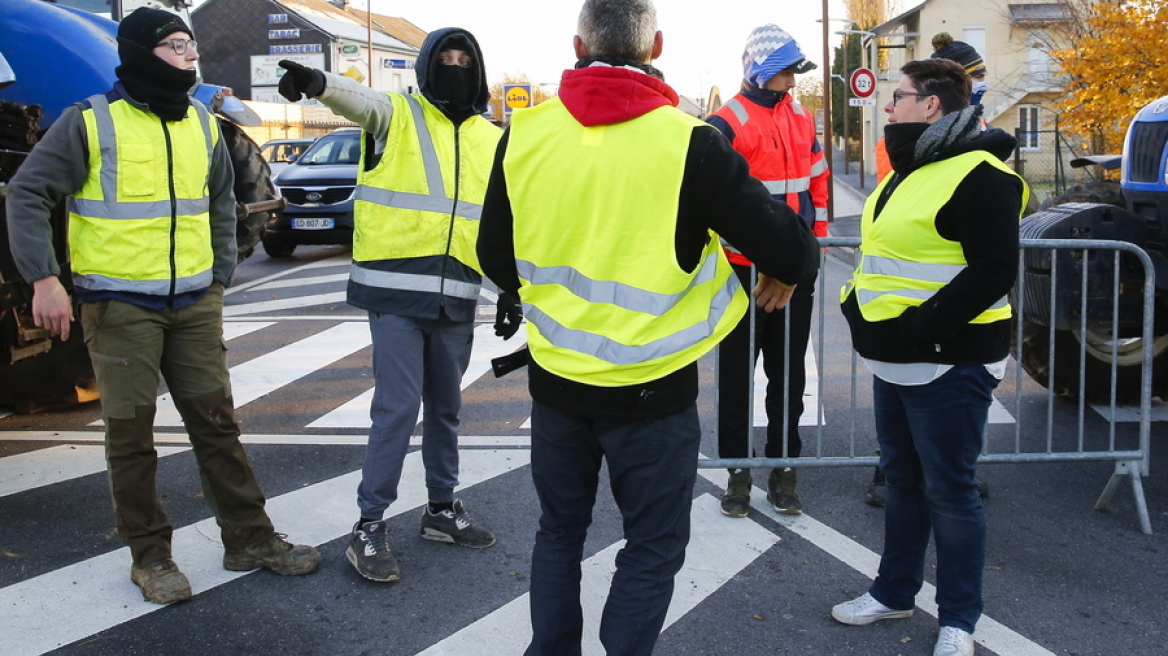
{"type": "Point", "coordinates": [1029, 129]}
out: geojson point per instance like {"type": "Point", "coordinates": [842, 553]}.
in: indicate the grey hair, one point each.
{"type": "Point", "coordinates": [618, 28]}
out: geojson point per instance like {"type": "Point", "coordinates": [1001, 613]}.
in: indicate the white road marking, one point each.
{"type": "Point", "coordinates": [234, 329]}
{"type": "Point", "coordinates": [719, 549]}
{"type": "Point", "coordinates": [79, 600]}
{"type": "Point", "coordinates": [355, 413]}
{"type": "Point", "coordinates": [180, 439]}
{"type": "Point", "coordinates": [302, 282]}
{"type": "Point", "coordinates": [294, 302]}
{"type": "Point", "coordinates": [1131, 413]}
{"type": "Point", "coordinates": [56, 464]}
{"type": "Point", "coordinates": [335, 261]}
{"type": "Point", "coordinates": [990, 633]}
{"type": "Point", "coordinates": [271, 371]}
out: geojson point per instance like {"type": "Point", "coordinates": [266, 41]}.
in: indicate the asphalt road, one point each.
{"type": "Point", "coordinates": [1061, 578]}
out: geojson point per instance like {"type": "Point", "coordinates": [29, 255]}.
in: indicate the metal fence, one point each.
{"type": "Point", "coordinates": [1043, 158]}
{"type": "Point", "coordinates": [1102, 272]}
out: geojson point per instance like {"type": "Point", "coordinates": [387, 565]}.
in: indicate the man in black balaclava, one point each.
{"type": "Point", "coordinates": [415, 271]}
{"type": "Point", "coordinates": [161, 84]}
{"type": "Point", "coordinates": [152, 248]}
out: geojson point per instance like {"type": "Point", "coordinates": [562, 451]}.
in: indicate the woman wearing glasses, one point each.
{"type": "Point", "coordinates": [928, 313]}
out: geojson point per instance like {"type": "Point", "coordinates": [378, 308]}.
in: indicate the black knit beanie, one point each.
{"type": "Point", "coordinates": [145, 76]}
{"type": "Point", "coordinates": [146, 26]}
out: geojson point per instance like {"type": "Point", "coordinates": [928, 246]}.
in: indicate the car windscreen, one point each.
{"type": "Point", "coordinates": [341, 149]}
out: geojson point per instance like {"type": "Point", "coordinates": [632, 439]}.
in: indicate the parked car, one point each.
{"type": "Point", "coordinates": [319, 189]}
{"type": "Point", "coordinates": [281, 152]}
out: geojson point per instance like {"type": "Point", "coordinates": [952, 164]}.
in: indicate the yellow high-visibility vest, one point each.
{"type": "Point", "coordinates": [127, 232]}
{"type": "Point", "coordinates": [903, 260]}
{"type": "Point", "coordinates": [423, 200]}
{"type": "Point", "coordinates": [606, 302]}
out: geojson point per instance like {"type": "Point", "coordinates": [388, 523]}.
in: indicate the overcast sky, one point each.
{"type": "Point", "coordinates": [703, 40]}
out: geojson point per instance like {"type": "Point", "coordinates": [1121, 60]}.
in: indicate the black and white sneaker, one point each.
{"type": "Point", "coordinates": [454, 526]}
{"type": "Point", "coordinates": [370, 554]}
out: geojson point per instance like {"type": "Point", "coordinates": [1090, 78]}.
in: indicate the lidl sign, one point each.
{"type": "Point", "coordinates": [516, 96]}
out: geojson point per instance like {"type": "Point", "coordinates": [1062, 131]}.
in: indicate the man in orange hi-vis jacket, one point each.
{"type": "Point", "coordinates": [776, 135]}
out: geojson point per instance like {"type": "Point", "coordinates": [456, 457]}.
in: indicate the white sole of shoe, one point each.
{"type": "Point", "coordinates": [853, 620]}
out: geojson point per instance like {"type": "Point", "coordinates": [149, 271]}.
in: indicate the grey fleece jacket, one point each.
{"type": "Point", "coordinates": [58, 166]}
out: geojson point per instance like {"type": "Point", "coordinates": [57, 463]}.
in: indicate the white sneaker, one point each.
{"type": "Point", "coordinates": [953, 642]}
{"type": "Point", "coordinates": [865, 610]}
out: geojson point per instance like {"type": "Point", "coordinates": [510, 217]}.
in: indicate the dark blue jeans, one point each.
{"type": "Point", "coordinates": [651, 467]}
{"type": "Point", "coordinates": [930, 436]}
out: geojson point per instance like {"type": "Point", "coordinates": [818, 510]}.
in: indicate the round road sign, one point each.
{"type": "Point", "coordinates": [863, 82]}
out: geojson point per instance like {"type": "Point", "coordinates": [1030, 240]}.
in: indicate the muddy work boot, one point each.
{"type": "Point", "coordinates": [781, 491]}
{"type": "Point", "coordinates": [275, 554]}
{"type": "Point", "coordinates": [161, 582]}
{"type": "Point", "coordinates": [736, 501]}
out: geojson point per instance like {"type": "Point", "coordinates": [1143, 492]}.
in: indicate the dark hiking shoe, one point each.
{"type": "Point", "coordinates": [736, 501]}
{"type": "Point", "coordinates": [370, 554]}
{"type": "Point", "coordinates": [454, 526]}
{"type": "Point", "coordinates": [161, 582]}
{"type": "Point", "coordinates": [275, 554]}
{"type": "Point", "coordinates": [781, 491]}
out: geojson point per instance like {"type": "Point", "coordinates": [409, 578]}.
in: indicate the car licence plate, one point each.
{"type": "Point", "coordinates": [313, 224]}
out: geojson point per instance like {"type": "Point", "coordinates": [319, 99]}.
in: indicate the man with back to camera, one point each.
{"type": "Point", "coordinates": [776, 135]}
{"type": "Point", "coordinates": [928, 312]}
{"type": "Point", "coordinates": [424, 164]}
{"type": "Point", "coordinates": [600, 214]}
{"type": "Point", "coordinates": [152, 246]}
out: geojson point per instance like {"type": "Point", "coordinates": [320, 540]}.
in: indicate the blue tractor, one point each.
{"type": "Point", "coordinates": [1135, 210]}
{"type": "Point", "coordinates": [51, 56]}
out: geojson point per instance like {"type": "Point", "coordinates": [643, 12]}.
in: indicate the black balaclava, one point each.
{"type": "Point", "coordinates": [459, 93]}
{"type": "Point", "coordinates": [147, 78]}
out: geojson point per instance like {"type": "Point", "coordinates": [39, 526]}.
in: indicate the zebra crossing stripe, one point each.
{"type": "Point", "coordinates": [355, 413]}
{"type": "Point", "coordinates": [79, 600]}
{"type": "Point", "coordinates": [26, 471]}
{"type": "Point", "coordinates": [235, 329]}
{"type": "Point", "coordinates": [290, 303]}
{"type": "Point", "coordinates": [271, 371]}
{"type": "Point", "coordinates": [720, 548]}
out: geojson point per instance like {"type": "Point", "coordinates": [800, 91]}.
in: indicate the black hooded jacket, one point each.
{"type": "Point", "coordinates": [427, 64]}
{"type": "Point", "coordinates": [983, 216]}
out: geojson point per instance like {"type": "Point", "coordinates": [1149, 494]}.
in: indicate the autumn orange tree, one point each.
{"type": "Point", "coordinates": [1116, 65]}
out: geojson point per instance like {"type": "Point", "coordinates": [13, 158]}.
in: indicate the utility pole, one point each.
{"type": "Point", "coordinates": [827, 113]}
{"type": "Point", "coordinates": [369, 36]}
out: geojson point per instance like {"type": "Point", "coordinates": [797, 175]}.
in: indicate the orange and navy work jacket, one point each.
{"type": "Point", "coordinates": [780, 145]}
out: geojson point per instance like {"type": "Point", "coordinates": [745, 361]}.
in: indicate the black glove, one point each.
{"type": "Point", "coordinates": [300, 81]}
{"type": "Point", "coordinates": [507, 316]}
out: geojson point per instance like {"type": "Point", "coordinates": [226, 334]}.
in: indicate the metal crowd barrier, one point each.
{"type": "Point", "coordinates": [836, 443]}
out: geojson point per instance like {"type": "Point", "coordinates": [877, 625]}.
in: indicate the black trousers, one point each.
{"type": "Point", "coordinates": [736, 370]}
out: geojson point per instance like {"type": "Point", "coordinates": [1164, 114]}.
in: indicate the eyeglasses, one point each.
{"type": "Point", "coordinates": [179, 46]}
{"type": "Point", "coordinates": [899, 95]}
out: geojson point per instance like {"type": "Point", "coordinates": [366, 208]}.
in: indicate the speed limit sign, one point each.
{"type": "Point", "coordinates": [863, 82]}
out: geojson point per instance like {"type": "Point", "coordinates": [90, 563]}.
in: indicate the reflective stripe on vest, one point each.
{"type": "Point", "coordinates": [155, 246]}
{"type": "Point", "coordinates": [606, 302]}
{"type": "Point", "coordinates": [410, 232]}
{"type": "Point", "coordinates": [110, 207]}
{"type": "Point", "coordinates": [436, 200]}
{"type": "Point", "coordinates": [903, 260]}
{"type": "Point", "coordinates": [414, 282]}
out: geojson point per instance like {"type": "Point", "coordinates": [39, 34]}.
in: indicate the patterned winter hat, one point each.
{"type": "Point", "coordinates": [960, 52]}
{"type": "Point", "coordinates": [769, 50]}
